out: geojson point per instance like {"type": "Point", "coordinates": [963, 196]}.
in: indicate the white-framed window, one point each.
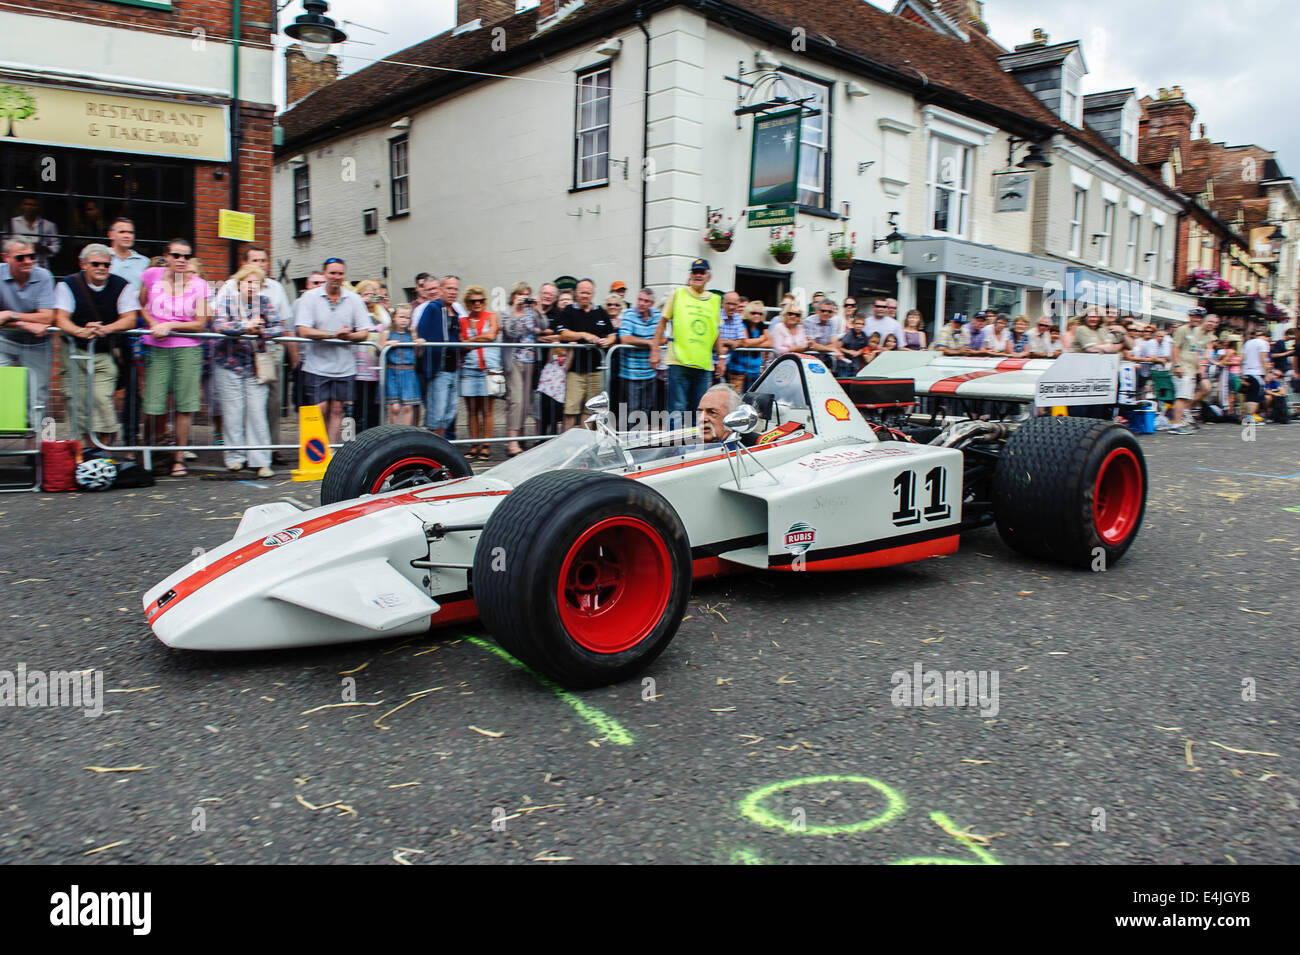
{"type": "Point", "coordinates": [948, 183]}
{"type": "Point", "coordinates": [1071, 101]}
{"type": "Point", "coordinates": [1131, 252]}
{"type": "Point", "coordinates": [591, 132]}
{"type": "Point", "coordinates": [399, 174]}
{"type": "Point", "coordinates": [1076, 220]}
{"type": "Point", "coordinates": [1107, 230]}
{"type": "Point", "coordinates": [1157, 239]}
{"type": "Point", "coordinates": [814, 139]}
{"type": "Point", "coordinates": [301, 201]}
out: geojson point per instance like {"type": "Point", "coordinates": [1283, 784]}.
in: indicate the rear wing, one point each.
{"type": "Point", "coordinates": [1071, 379]}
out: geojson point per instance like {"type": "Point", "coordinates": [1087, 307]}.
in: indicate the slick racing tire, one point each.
{"type": "Point", "coordinates": [583, 576]}
{"type": "Point", "coordinates": [1072, 490]}
{"type": "Point", "coordinates": [390, 457]}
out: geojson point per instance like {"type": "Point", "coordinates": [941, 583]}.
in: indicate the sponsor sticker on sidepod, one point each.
{"type": "Point", "coordinates": [800, 537]}
{"type": "Point", "coordinates": [283, 537]}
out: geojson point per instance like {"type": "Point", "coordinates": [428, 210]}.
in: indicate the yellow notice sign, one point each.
{"type": "Point", "coordinates": [235, 225]}
{"type": "Point", "coordinates": [128, 124]}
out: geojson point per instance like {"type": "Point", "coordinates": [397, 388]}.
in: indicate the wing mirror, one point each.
{"type": "Point", "coordinates": [741, 421]}
{"type": "Point", "coordinates": [598, 406]}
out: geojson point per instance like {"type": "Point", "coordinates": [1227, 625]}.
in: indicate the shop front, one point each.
{"type": "Point", "coordinates": [946, 277]}
{"type": "Point", "coordinates": [1166, 308]}
{"type": "Point", "coordinates": [74, 160]}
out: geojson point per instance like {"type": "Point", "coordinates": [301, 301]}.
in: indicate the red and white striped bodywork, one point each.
{"type": "Point", "coordinates": [832, 497]}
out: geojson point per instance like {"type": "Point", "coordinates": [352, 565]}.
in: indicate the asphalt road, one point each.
{"type": "Point", "coordinates": [1121, 733]}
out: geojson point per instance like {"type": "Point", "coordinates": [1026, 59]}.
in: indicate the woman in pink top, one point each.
{"type": "Point", "coordinates": [788, 335]}
{"type": "Point", "coordinates": [175, 301]}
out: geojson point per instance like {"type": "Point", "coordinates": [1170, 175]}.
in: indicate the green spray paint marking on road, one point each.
{"type": "Point", "coordinates": [611, 728]}
{"type": "Point", "coordinates": [752, 809]}
{"type": "Point", "coordinates": [946, 824]}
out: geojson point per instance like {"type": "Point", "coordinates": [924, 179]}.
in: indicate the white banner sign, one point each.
{"type": "Point", "coordinates": [1079, 378]}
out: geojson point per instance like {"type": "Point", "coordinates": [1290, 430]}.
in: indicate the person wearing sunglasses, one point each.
{"type": "Point", "coordinates": [788, 335]}
{"type": "Point", "coordinates": [477, 365]}
{"type": "Point", "coordinates": [90, 306]}
{"type": "Point", "coordinates": [174, 302]}
{"type": "Point", "coordinates": [26, 311]}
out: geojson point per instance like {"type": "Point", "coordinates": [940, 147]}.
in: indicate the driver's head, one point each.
{"type": "Point", "coordinates": [718, 402]}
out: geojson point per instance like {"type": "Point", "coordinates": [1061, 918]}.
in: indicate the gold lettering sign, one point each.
{"type": "Point", "coordinates": [128, 124]}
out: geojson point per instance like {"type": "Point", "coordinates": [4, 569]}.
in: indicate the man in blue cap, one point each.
{"type": "Point", "coordinates": [693, 353]}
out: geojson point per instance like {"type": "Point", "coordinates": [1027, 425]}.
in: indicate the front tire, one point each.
{"type": "Point", "coordinates": [388, 458]}
{"type": "Point", "coordinates": [583, 576]}
{"type": "Point", "coordinates": [1070, 490]}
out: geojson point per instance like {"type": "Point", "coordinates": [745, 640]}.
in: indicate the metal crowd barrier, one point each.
{"type": "Point", "coordinates": [282, 398]}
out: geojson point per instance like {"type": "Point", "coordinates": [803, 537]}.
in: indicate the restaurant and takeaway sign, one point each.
{"type": "Point", "coordinates": [126, 124]}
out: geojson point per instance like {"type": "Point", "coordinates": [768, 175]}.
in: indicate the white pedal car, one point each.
{"type": "Point", "coordinates": [578, 555]}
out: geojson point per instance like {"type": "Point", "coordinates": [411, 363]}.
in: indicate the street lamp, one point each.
{"type": "Point", "coordinates": [315, 31]}
{"type": "Point", "coordinates": [894, 240]}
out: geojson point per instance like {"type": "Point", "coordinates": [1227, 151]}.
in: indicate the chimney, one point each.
{"type": "Point", "coordinates": [545, 9]}
{"type": "Point", "coordinates": [485, 11]}
{"type": "Point", "coordinates": [302, 77]}
{"type": "Point", "coordinates": [1040, 36]}
{"type": "Point", "coordinates": [1171, 114]}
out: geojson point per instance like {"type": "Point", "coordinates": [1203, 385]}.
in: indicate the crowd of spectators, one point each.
{"type": "Point", "coordinates": [543, 354]}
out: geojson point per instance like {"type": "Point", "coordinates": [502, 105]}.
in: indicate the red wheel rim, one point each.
{"type": "Point", "coordinates": [1117, 496]}
{"type": "Point", "coordinates": [406, 472]}
{"type": "Point", "coordinates": [614, 585]}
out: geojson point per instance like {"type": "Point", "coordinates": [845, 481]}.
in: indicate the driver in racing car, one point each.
{"type": "Point", "coordinates": [718, 402]}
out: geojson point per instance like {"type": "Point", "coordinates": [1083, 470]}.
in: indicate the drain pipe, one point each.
{"type": "Point", "coordinates": [236, 121]}
{"type": "Point", "coordinates": [645, 139]}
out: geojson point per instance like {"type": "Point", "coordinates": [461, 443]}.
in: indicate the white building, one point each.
{"type": "Point", "coordinates": [608, 131]}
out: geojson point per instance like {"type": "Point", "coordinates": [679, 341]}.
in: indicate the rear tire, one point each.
{"type": "Point", "coordinates": [583, 576]}
{"type": "Point", "coordinates": [1072, 490]}
{"type": "Point", "coordinates": [390, 457]}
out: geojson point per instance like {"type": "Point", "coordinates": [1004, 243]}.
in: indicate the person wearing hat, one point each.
{"type": "Point", "coordinates": [948, 340]}
{"type": "Point", "coordinates": [1190, 342]}
{"type": "Point", "coordinates": [618, 288]}
{"type": "Point", "coordinates": [693, 353]}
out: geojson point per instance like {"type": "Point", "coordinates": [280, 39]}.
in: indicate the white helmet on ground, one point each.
{"type": "Point", "coordinates": [97, 474]}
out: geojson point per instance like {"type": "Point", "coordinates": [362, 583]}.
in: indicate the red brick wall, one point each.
{"type": "Point", "coordinates": [211, 195]}
{"type": "Point", "coordinates": [213, 16]}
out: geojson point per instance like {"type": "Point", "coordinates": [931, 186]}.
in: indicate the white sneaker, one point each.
{"type": "Point", "coordinates": [265, 473]}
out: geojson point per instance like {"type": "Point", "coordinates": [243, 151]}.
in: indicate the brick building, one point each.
{"type": "Point", "coordinates": [135, 108]}
{"type": "Point", "coordinates": [1238, 198]}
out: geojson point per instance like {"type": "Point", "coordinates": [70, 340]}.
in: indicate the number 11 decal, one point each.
{"type": "Point", "coordinates": [936, 485]}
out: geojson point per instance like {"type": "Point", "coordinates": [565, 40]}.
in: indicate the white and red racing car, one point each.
{"type": "Point", "coordinates": [578, 555]}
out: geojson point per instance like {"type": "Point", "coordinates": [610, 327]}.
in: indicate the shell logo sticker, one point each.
{"type": "Point", "coordinates": [283, 537]}
{"type": "Point", "coordinates": [837, 409]}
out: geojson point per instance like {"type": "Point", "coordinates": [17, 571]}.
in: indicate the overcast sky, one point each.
{"type": "Point", "coordinates": [1235, 60]}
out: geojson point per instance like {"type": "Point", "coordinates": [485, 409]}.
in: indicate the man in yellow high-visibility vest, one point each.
{"type": "Point", "coordinates": [693, 354]}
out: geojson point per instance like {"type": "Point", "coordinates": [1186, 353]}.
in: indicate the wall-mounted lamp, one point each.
{"type": "Point", "coordinates": [1034, 158]}
{"type": "Point", "coordinates": [766, 61]}
{"type": "Point", "coordinates": [853, 89]}
{"type": "Point", "coordinates": [611, 47]}
{"type": "Point", "coordinates": [894, 240]}
{"type": "Point", "coordinates": [403, 123]}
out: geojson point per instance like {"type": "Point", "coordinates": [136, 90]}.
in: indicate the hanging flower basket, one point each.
{"type": "Point", "coordinates": [782, 247]}
{"type": "Point", "coordinates": [842, 254]}
{"type": "Point", "coordinates": [717, 233]}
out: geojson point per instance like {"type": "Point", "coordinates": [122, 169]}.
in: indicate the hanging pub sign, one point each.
{"type": "Point", "coordinates": [774, 168]}
{"type": "Point", "coordinates": [1010, 192]}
